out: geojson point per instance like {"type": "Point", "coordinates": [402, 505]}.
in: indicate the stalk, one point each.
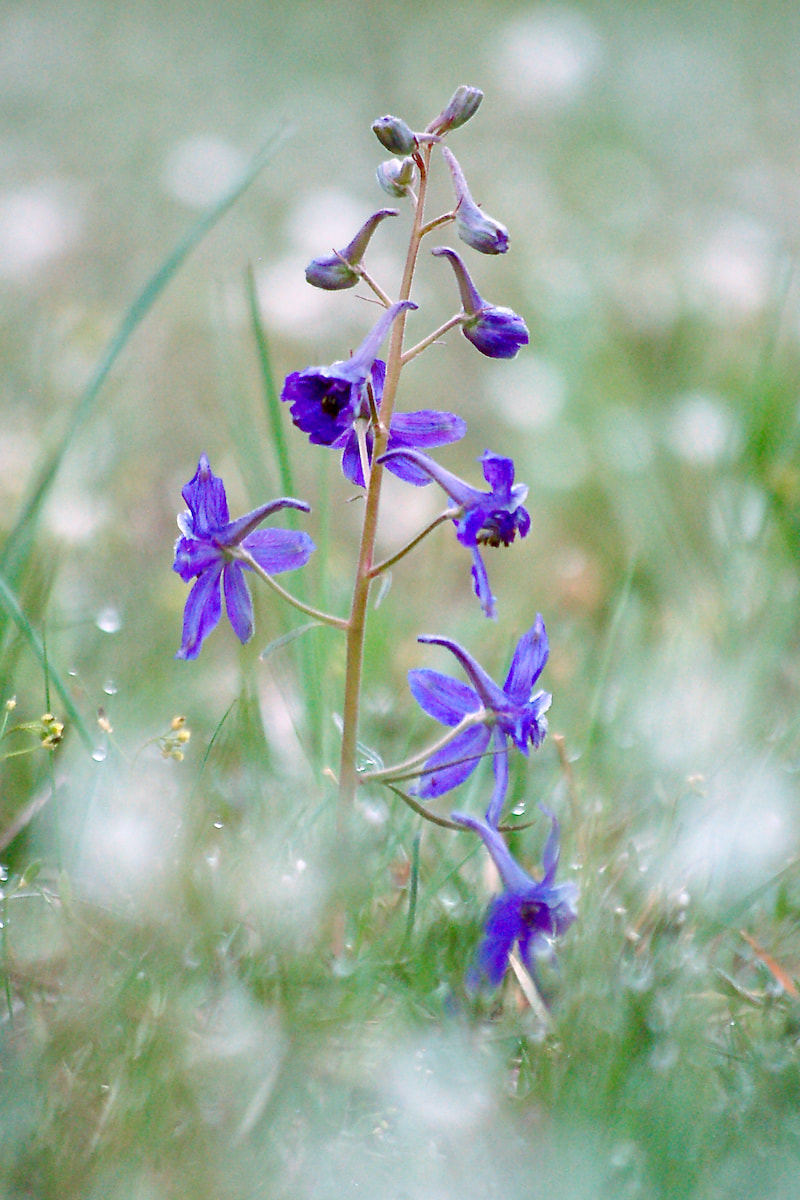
{"type": "Point", "coordinates": [356, 625]}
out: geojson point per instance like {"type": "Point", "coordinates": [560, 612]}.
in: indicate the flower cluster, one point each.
{"type": "Point", "coordinates": [351, 406]}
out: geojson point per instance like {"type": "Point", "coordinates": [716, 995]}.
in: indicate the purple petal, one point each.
{"type": "Point", "coordinates": [236, 531]}
{"type": "Point", "coordinates": [277, 550]}
{"type": "Point", "coordinates": [446, 700]}
{"type": "Point", "coordinates": [502, 930]}
{"type": "Point", "coordinates": [238, 603]}
{"type": "Point", "coordinates": [500, 753]}
{"type": "Point", "coordinates": [454, 763]}
{"type": "Point", "coordinates": [359, 366]}
{"type": "Point", "coordinates": [423, 428]}
{"type": "Point", "coordinates": [351, 457]}
{"type": "Point", "coordinates": [464, 495]}
{"type": "Point", "coordinates": [205, 496]}
{"type": "Point", "coordinates": [480, 581]}
{"type": "Point", "coordinates": [527, 664]}
{"type": "Point", "coordinates": [193, 556]}
{"type": "Point", "coordinates": [490, 694]}
{"type": "Point", "coordinates": [202, 612]}
{"type": "Point", "coordinates": [496, 332]}
{"type": "Point", "coordinates": [498, 473]}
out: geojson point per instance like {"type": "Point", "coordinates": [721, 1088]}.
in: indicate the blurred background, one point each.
{"type": "Point", "coordinates": [171, 1023]}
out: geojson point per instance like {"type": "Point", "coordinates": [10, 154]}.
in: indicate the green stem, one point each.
{"type": "Point", "coordinates": [326, 618]}
{"type": "Point", "coordinates": [356, 625]}
{"type": "Point", "coordinates": [444, 822]}
{"type": "Point", "coordinates": [405, 770]}
{"type": "Point", "coordinates": [458, 319]}
{"type": "Point", "coordinates": [380, 567]}
{"type": "Point", "coordinates": [376, 288]}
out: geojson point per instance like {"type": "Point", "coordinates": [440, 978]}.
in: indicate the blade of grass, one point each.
{"type": "Point", "coordinates": [271, 397]}
{"type": "Point", "coordinates": [14, 553]}
{"type": "Point", "coordinates": [13, 609]}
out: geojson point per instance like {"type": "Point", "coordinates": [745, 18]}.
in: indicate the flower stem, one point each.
{"type": "Point", "coordinates": [326, 618]}
{"type": "Point", "coordinates": [458, 319]}
{"type": "Point", "coordinates": [380, 567]}
{"type": "Point", "coordinates": [406, 770]}
{"type": "Point", "coordinates": [356, 625]}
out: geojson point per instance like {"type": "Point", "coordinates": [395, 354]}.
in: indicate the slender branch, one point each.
{"type": "Point", "coordinates": [437, 222]}
{"type": "Point", "coordinates": [458, 319]}
{"type": "Point", "coordinates": [404, 770]}
{"type": "Point", "coordinates": [326, 618]}
{"type": "Point", "coordinates": [376, 288]}
{"type": "Point", "coordinates": [444, 822]}
{"type": "Point", "coordinates": [425, 812]}
{"type": "Point", "coordinates": [447, 515]}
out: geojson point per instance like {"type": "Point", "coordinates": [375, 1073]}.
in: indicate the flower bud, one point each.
{"type": "Point", "coordinates": [497, 332]}
{"type": "Point", "coordinates": [463, 104]}
{"type": "Point", "coordinates": [395, 177]}
{"type": "Point", "coordinates": [336, 271]}
{"type": "Point", "coordinates": [394, 135]}
{"type": "Point", "coordinates": [472, 224]}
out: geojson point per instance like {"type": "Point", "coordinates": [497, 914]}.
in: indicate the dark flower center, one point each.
{"type": "Point", "coordinates": [499, 529]}
{"type": "Point", "coordinates": [335, 398]}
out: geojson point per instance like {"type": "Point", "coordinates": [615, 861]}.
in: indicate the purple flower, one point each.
{"type": "Point", "coordinates": [324, 401]}
{"type": "Point", "coordinates": [496, 332]}
{"type": "Point", "coordinates": [472, 224]}
{"type": "Point", "coordinates": [529, 913]}
{"type": "Point", "coordinates": [338, 270]}
{"type": "Point", "coordinates": [424, 429]}
{"type": "Point", "coordinates": [204, 553]}
{"type": "Point", "coordinates": [513, 711]}
{"type": "Point", "coordinates": [492, 518]}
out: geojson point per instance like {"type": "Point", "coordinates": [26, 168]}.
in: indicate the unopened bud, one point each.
{"type": "Point", "coordinates": [340, 269]}
{"type": "Point", "coordinates": [497, 332]}
{"type": "Point", "coordinates": [396, 176]}
{"type": "Point", "coordinates": [463, 104]}
{"type": "Point", "coordinates": [472, 224]}
{"type": "Point", "coordinates": [394, 135]}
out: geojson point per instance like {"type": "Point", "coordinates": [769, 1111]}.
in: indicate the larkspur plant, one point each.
{"type": "Point", "coordinates": [349, 406]}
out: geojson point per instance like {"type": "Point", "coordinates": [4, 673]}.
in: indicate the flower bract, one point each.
{"type": "Point", "coordinates": [514, 712]}
{"type": "Point", "coordinates": [492, 518]}
{"type": "Point", "coordinates": [528, 913]}
{"type": "Point", "coordinates": [206, 553]}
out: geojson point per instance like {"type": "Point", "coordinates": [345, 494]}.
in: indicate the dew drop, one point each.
{"type": "Point", "coordinates": [110, 688]}
{"type": "Point", "coordinates": [100, 754]}
{"type": "Point", "coordinates": [108, 620]}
